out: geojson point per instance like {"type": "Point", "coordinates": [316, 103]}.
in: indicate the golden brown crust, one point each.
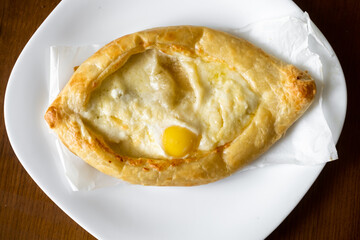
{"type": "Point", "coordinates": [284, 91]}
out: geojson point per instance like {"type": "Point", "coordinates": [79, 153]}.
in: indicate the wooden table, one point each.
{"type": "Point", "coordinates": [331, 208]}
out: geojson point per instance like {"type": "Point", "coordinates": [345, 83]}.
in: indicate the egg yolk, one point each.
{"type": "Point", "coordinates": [178, 141]}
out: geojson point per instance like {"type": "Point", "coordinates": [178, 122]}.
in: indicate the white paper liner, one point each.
{"type": "Point", "coordinates": [294, 40]}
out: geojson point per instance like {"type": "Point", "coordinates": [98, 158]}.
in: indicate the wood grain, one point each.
{"type": "Point", "coordinates": [331, 208]}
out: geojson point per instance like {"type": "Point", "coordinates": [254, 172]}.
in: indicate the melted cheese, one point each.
{"type": "Point", "coordinates": [153, 91]}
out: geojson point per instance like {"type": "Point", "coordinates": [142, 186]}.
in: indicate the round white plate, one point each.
{"type": "Point", "coordinates": [249, 205]}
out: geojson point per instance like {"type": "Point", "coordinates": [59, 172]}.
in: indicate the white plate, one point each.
{"type": "Point", "coordinates": [249, 205]}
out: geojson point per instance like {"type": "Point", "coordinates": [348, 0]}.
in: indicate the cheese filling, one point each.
{"type": "Point", "coordinates": [204, 104]}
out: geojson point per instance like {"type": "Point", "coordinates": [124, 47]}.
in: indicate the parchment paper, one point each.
{"type": "Point", "coordinates": [294, 40]}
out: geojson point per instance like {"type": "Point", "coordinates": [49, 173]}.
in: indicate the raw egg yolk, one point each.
{"type": "Point", "coordinates": [178, 141]}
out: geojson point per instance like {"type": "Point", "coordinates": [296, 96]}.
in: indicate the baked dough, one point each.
{"type": "Point", "coordinates": [281, 94]}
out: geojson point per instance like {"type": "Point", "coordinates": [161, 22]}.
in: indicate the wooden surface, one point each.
{"type": "Point", "coordinates": [331, 208]}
